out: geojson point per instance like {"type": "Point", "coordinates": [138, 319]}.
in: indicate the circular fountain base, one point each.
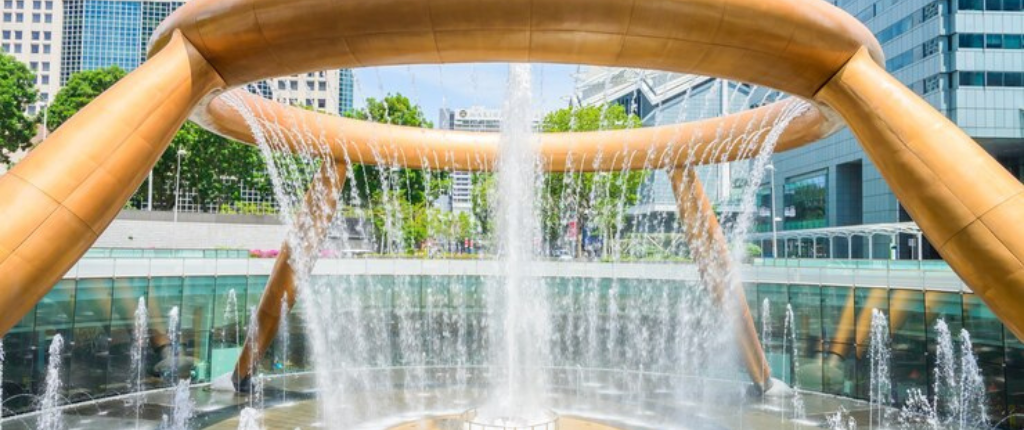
{"type": "Point", "coordinates": [457, 422]}
{"type": "Point", "coordinates": [471, 420]}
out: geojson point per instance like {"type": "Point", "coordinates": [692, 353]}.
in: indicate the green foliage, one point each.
{"type": "Point", "coordinates": [80, 90]}
{"type": "Point", "coordinates": [404, 193]}
{"type": "Point", "coordinates": [753, 251]}
{"type": "Point", "coordinates": [17, 92]}
{"type": "Point", "coordinates": [594, 200]}
{"type": "Point", "coordinates": [212, 166]}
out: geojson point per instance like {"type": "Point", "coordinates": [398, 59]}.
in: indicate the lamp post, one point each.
{"type": "Point", "coordinates": [775, 220]}
{"type": "Point", "coordinates": [177, 183]}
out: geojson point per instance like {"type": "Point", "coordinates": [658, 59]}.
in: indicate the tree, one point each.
{"type": "Point", "coordinates": [214, 168]}
{"type": "Point", "coordinates": [80, 90]}
{"type": "Point", "coordinates": [17, 92]}
{"type": "Point", "coordinates": [396, 195]}
{"type": "Point", "coordinates": [590, 201]}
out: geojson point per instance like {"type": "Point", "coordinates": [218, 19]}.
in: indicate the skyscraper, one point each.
{"type": "Point", "coordinates": [346, 93]}
{"type": "Point", "coordinates": [475, 118]}
{"type": "Point", "coordinates": [30, 30]}
{"type": "Point", "coordinates": [966, 58]}
{"type": "Point", "coordinates": [104, 33]}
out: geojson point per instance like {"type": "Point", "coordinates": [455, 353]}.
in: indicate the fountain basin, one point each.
{"type": "Point", "coordinates": [472, 420]}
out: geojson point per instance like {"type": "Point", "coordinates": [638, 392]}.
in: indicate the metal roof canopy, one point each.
{"type": "Point", "coordinates": [883, 229]}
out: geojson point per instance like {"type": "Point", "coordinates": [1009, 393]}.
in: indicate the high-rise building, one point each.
{"type": "Point", "coordinates": [661, 98]}
{"type": "Point", "coordinates": [475, 118]}
{"type": "Point", "coordinates": [30, 30]}
{"type": "Point", "coordinates": [103, 33]}
{"type": "Point", "coordinates": [346, 92]}
{"type": "Point", "coordinates": [966, 58]}
{"type": "Point", "coordinates": [315, 90]}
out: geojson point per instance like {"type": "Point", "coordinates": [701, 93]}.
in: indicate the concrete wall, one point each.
{"type": "Point", "coordinates": [132, 230]}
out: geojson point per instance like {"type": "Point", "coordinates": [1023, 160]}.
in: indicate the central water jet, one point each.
{"type": "Point", "coordinates": [518, 309]}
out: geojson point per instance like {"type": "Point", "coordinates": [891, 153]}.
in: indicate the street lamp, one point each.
{"type": "Point", "coordinates": [775, 219]}
{"type": "Point", "coordinates": [177, 183]}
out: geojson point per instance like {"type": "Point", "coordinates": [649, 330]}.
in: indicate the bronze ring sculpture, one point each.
{"type": "Point", "coordinates": [65, 193]}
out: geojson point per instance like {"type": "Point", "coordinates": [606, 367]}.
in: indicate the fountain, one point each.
{"type": "Point", "coordinates": [174, 333]}
{"type": "Point", "coordinates": [256, 388]}
{"type": "Point", "coordinates": [231, 318]}
{"type": "Point", "coordinates": [2, 360]}
{"type": "Point", "coordinates": [517, 306]}
{"type": "Point", "coordinates": [140, 342]}
{"type": "Point", "coordinates": [973, 406]}
{"type": "Point", "coordinates": [796, 401]}
{"type": "Point", "coordinates": [880, 392]}
{"type": "Point", "coordinates": [51, 417]}
{"type": "Point", "coordinates": [283, 335]}
{"type": "Point", "coordinates": [183, 408]}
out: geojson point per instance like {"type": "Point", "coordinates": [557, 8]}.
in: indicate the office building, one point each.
{"type": "Point", "coordinates": [661, 98]}
{"type": "Point", "coordinates": [478, 119]}
{"type": "Point", "coordinates": [966, 58]}
{"type": "Point", "coordinates": [30, 30]}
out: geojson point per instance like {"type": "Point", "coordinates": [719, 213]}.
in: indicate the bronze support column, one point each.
{"type": "Point", "coordinates": [320, 205]}
{"type": "Point", "coordinates": [710, 251]}
{"type": "Point", "coordinates": [60, 198]}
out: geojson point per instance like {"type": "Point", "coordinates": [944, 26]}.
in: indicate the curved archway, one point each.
{"type": "Point", "coordinates": [68, 190]}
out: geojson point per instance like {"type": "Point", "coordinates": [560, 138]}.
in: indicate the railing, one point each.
{"type": "Point", "coordinates": [165, 253]}
{"type": "Point", "coordinates": [840, 263]}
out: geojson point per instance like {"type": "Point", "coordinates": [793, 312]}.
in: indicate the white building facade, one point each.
{"type": "Point", "coordinates": [30, 30]}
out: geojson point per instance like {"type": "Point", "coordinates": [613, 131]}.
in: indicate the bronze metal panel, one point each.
{"type": "Point", "coordinates": [934, 169]}
{"type": "Point", "coordinates": [282, 279]}
{"type": "Point", "coordinates": [710, 251]}
{"type": "Point", "coordinates": [21, 219]}
{"type": "Point", "coordinates": [450, 15]}
{"type": "Point", "coordinates": [582, 15]}
{"type": "Point", "coordinates": [70, 181]}
{"type": "Point", "coordinates": [461, 46]}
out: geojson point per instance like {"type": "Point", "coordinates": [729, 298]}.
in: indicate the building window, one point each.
{"type": "Point", "coordinates": [17, 35]}
{"type": "Point", "coordinates": [992, 5]}
{"type": "Point", "coordinates": [44, 79]}
{"type": "Point", "coordinates": [46, 66]}
{"type": "Point", "coordinates": [7, 17]}
{"type": "Point", "coordinates": [994, 41]}
{"type": "Point", "coordinates": [294, 85]}
{"type": "Point", "coordinates": [49, 5]}
{"type": "Point", "coordinates": [47, 35]}
{"type": "Point", "coordinates": [805, 200]}
{"type": "Point", "coordinates": [971, 40]}
{"type": "Point", "coordinates": [37, 18]}
{"type": "Point", "coordinates": [281, 85]}
{"type": "Point", "coordinates": [972, 79]}
{"type": "Point", "coordinates": [46, 49]}
{"type": "Point", "coordinates": [7, 34]}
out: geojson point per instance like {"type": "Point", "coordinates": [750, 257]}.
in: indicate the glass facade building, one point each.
{"type": "Point", "coordinates": [965, 58]}
{"type": "Point", "coordinates": [103, 33]}
{"type": "Point", "coordinates": [346, 91]}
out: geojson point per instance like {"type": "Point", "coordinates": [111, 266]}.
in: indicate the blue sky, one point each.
{"type": "Point", "coordinates": [463, 85]}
